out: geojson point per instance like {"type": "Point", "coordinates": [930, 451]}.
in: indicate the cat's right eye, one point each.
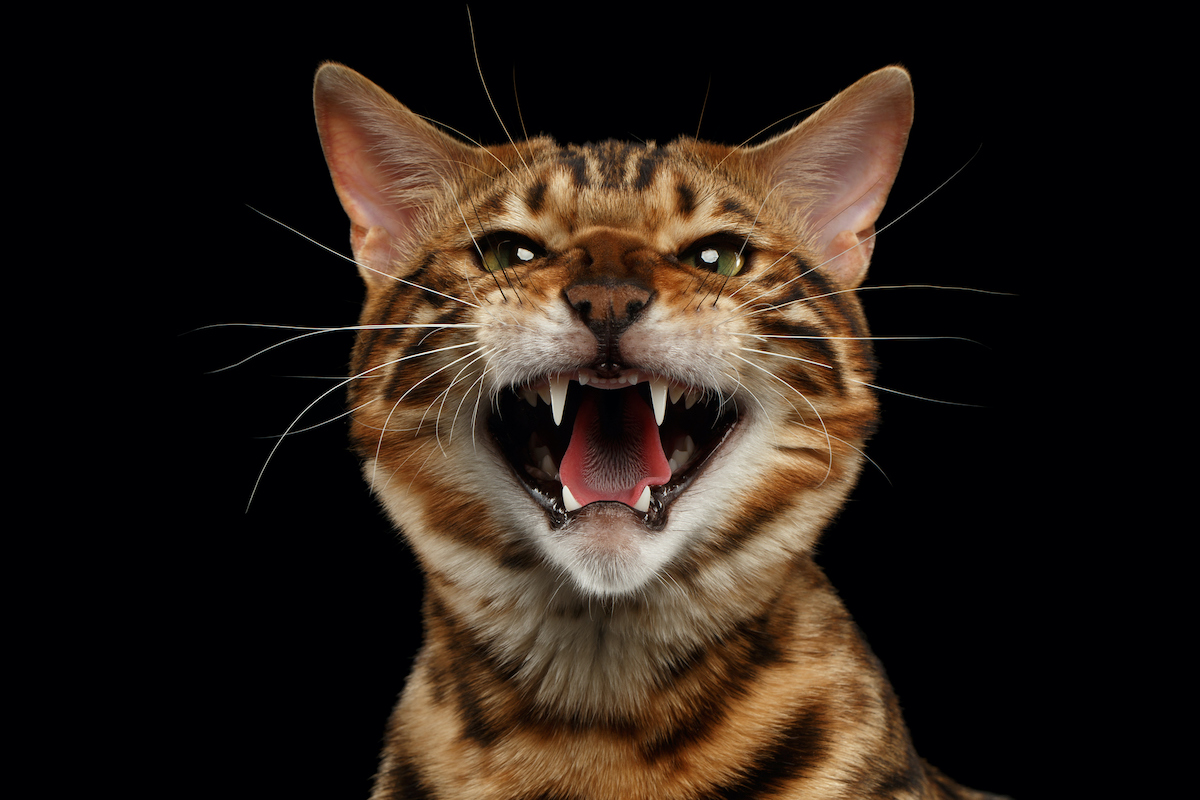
{"type": "Point", "coordinates": [501, 251]}
{"type": "Point", "coordinates": [716, 255]}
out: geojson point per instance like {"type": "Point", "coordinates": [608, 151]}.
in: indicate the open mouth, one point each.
{"type": "Point", "coordinates": [636, 439]}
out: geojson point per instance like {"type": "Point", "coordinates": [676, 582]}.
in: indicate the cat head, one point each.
{"type": "Point", "coordinates": [603, 365]}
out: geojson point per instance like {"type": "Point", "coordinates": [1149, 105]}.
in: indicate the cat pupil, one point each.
{"type": "Point", "coordinates": [503, 255]}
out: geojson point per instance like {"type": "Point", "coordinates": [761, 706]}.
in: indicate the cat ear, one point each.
{"type": "Point", "coordinates": [388, 166]}
{"type": "Point", "coordinates": [838, 167]}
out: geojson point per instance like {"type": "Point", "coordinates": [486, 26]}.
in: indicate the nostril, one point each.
{"type": "Point", "coordinates": [580, 299]}
{"type": "Point", "coordinates": [614, 305]}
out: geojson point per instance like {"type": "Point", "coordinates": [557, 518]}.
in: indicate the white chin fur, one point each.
{"type": "Point", "coordinates": [608, 551]}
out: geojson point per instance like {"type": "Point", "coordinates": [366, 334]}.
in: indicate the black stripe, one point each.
{"type": "Point", "coordinates": [647, 169]}
{"type": "Point", "coordinates": [364, 350]}
{"type": "Point", "coordinates": [731, 206]}
{"type": "Point", "coordinates": [795, 755]}
{"type": "Point", "coordinates": [687, 199]}
{"type": "Point", "coordinates": [574, 160]}
{"type": "Point", "coordinates": [405, 781]}
{"type": "Point", "coordinates": [611, 158]}
{"type": "Point", "coordinates": [536, 197]}
{"type": "Point", "coordinates": [739, 656]}
{"type": "Point", "coordinates": [847, 311]}
{"type": "Point", "coordinates": [808, 378]}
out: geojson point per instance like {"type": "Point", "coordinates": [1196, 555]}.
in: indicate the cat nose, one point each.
{"type": "Point", "coordinates": [608, 308]}
{"type": "Point", "coordinates": [610, 287]}
{"type": "Point", "coordinates": [610, 281]}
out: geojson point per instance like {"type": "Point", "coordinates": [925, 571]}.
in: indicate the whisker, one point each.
{"type": "Point", "coordinates": [410, 389]}
{"type": "Point", "coordinates": [877, 387]}
{"type": "Point", "coordinates": [445, 395]}
{"type": "Point", "coordinates": [340, 384]}
{"type": "Point", "coordinates": [809, 298]}
{"type": "Point", "coordinates": [486, 91]}
{"type": "Point", "coordinates": [316, 331]}
{"type": "Point", "coordinates": [828, 442]}
{"type": "Point", "coordinates": [788, 357]}
{"type": "Point", "coordinates": [824, 337]}
{"type": "Point", "coordinates": [344, 257]}
{"type": "Point", "coordinates": [875, 233]}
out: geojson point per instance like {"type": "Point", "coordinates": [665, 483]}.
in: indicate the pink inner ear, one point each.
{"type": "Point", "coordinates": [384, 159]}
{"type": "Point", "coordinates": [858, 138]}
{"type": "Point", "coordinates": [615, 451]}
{"type": "Point", "coordinates": [361, 185]}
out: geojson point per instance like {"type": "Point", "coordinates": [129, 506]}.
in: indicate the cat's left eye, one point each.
{"type": "Point", "coordinates": [719, 257]}
{"type": "Point", "coordinates": [503, 250]}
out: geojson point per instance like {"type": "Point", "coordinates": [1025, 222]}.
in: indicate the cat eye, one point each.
{"type": "Point", "coordinates": [723, 258]}
{"type": "Point", "coordinates": [503, 250]}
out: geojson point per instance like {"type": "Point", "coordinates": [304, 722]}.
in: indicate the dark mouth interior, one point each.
{"type": "Point", "coordinates": [535, 447]}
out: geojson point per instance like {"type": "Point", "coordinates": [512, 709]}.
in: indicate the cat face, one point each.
{"type": "Point", "coordinates": [613, 365]}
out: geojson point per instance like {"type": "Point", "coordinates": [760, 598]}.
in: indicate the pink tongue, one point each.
{"type": "Point", "coordinates": [614, 461]}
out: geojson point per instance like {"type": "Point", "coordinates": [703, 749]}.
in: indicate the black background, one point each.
{"type": "Point", "coordinates": [284, 611]}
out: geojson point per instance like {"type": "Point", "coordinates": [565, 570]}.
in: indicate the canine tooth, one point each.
{"type": "Point", "coordinates": [658, 396]}
{"type": "Point", "coordinates": [529, 394]}
{"type": "Point", "coordinates": [684, 450]}
{"type": "Point", "coordinates": [569, 501]}
{"type": "Point", "coordinates": [676, 392]}
{"type": "Point", "coordinates": [558, 396]}
{"type": "Point", "coordinates": [643, 502]}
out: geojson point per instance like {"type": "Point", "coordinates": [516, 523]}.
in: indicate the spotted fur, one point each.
{"type": "Point", "coordinates": [680, 643]}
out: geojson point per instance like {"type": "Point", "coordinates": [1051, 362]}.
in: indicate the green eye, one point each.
{"type": "Point", "coordinates": [720, 258]}
{"type": "Point", "coordinates": [504, 250]}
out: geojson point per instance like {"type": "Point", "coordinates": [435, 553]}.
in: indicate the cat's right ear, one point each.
{"type": "Point", "coordinates": [388, 165]}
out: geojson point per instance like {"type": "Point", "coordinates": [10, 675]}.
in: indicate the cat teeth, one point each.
{"type": "Point", "coordinates": [558, 396]}
{"type": "Point", "coordinates": [554, 392]}
{"type": "Point", "coordinates": [658, 396]}
{"type": "Point", "coordinates": [643, 503]}
{"type": "Point", "coordinates": [641, 506]}
{"type": "Point", "coordinates": [690, 395]}
{"type": "Point", "coordinates": [684, 450]}
{"type": "Point", "coordinates": [569, 501]}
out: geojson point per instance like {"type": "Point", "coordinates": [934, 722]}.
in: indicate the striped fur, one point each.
{"type": "Point", "coordinates": [688, 650]}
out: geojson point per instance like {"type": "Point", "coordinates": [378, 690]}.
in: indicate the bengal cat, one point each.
{"type": "Point", "coordinates": [611, 394]}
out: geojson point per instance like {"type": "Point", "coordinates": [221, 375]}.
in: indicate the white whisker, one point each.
{"type": "Point", "coordinates": [317, 331]}
{"type": "Point", "coordinates": [410, 389]}
{"type": "Point", "coordinates": [345, 257]}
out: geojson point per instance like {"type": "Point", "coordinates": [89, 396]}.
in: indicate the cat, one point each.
{"type": "Point", "coordinates": [611, 394]}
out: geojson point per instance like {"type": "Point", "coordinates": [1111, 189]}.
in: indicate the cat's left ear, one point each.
{"type": "Point", "coordinates": [838, 166]}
